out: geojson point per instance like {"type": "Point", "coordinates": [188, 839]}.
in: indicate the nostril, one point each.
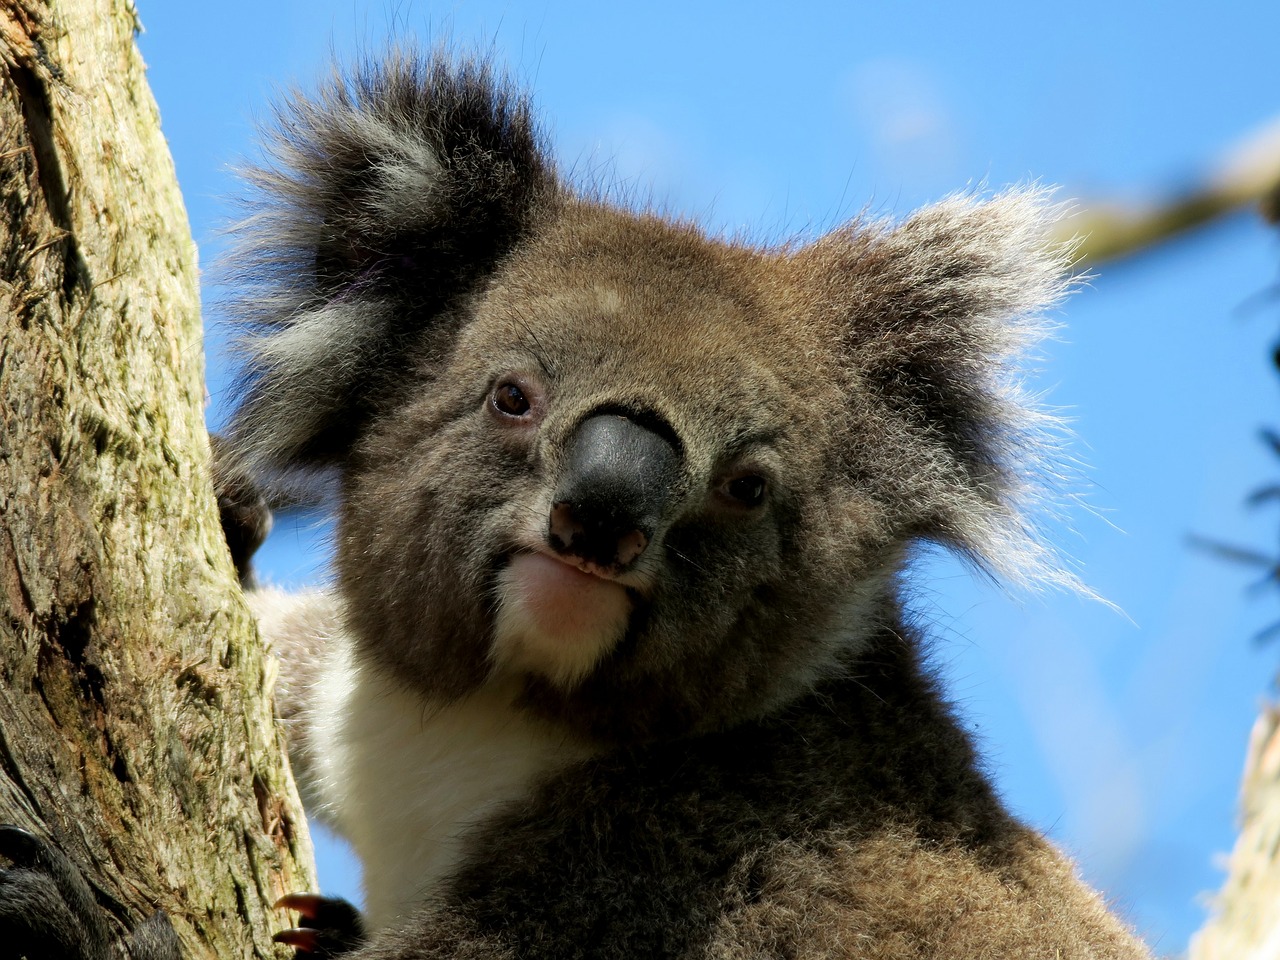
{"type": "Point", "coordinates": [564, 527]}
{"type": "Point", "coordinates": [630, 546]}
{"type": "Point", "coordinates": [600, 538]}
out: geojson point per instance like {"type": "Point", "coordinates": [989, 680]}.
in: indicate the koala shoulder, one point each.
{"type": "Point", "coordinates": [358, 738]}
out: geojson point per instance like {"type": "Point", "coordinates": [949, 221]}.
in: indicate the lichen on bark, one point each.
{"type": "Point", "coordinates": [135, 724]}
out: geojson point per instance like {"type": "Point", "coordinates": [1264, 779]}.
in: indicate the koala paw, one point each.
{"type": "Point", "coordinates": [328, 927]}
{"type": "Point", "coordinates": [48, 911]}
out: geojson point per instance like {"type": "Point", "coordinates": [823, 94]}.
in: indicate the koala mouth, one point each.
{"type": "Point", "coordinates": [556, 619]}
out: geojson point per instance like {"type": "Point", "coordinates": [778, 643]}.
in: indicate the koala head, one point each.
{"type": "Point", "coordinates": [662, 481]}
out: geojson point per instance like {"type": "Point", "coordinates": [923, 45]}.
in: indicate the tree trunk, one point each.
{"type": "Point", "coordinates": [135, 723]}
{"type": "Point", "coordinates": [1246, 921]}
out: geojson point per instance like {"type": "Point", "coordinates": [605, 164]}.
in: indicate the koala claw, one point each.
{"type": "Point", "coordinates": [19, 845]}
{"type": "Point", "coordinates": [328, 926]}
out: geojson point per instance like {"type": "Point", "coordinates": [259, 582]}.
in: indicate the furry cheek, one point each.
{"type": "Point", "coordinates": [555, 620]}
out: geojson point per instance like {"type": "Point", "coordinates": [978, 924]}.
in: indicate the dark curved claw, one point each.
{"type": "Point", "coordinates": [328, 927]}
{"type": "Point", "coordinates": [20, 846]}
{"type": "Point", "coordinates": [303, 939]}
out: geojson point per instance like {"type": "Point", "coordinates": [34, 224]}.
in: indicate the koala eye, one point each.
{"type": "Point", "coordinates": [746, 490]}
{"type": "Point", "coordinates": [509, 400]}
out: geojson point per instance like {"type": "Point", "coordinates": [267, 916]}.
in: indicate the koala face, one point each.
{"type": "Point", "coordinates": [624, 483]}
{"type": "Point", "coordinates": [659, 481]}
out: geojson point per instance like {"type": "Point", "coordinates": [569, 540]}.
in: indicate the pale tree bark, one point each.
{"type": "Point", "coordinates": [1246, 921]}
{"type": "Point", "coordinates": [135, 725]}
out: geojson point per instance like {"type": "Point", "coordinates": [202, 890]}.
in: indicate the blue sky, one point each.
{"type": "Point", "coordinates": [1121, 734]}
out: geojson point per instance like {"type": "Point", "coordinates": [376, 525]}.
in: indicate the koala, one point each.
{"type": "Point", "coordinates": [616, 662]}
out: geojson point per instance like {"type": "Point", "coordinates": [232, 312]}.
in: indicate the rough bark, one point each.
{"type": "Point", "coordinates": [135, 726]}
{"type": "Point", "coordinates": [1246, 921]}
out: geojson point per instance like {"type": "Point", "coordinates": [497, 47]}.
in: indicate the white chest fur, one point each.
{"type": "Point", "coordinates": [406, 780]}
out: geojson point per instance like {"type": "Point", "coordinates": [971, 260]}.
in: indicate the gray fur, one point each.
{"type": "Point", "coordinates": [771, 772]}
{"type": "Point", "coordinates": [387, 196]}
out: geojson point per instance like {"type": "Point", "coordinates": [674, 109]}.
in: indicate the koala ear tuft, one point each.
{"type": "Point", "coordinates": [935, 319]}
{"type": "Point", "coordinates": [385, 199]}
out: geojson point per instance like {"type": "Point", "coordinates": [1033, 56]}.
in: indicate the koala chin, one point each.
{"type": "Point", "coordinates": [556, 619]}
{"type": "Point", "coordinates": [617, 662]}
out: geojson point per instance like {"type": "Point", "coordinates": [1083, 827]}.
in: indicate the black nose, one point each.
{"type": "Point", "coordinates": [617, 484]}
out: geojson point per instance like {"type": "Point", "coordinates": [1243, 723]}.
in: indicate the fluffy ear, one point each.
{"type": "Point", "coordinates": [934, 317]}
{"type": "Point", "coordinates": [387, 197]}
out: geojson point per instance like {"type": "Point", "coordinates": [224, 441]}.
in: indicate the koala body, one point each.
{"type": "Point", "coordinates": [616, 663]}
{"type": "Point", "coordinates": [360, 739]}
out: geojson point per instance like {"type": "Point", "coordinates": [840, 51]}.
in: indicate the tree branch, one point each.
{"type": "Point", "coordinates": [1247, 175]}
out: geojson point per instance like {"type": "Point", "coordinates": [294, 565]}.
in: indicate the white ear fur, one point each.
{"type": "Point", "coordinates": [942, 315]}
{"type": "Point", "coordinates": [1027, 274]}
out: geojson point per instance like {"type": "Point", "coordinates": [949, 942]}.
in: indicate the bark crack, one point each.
{"type": "Point", "coordinates": [13, 773]}
{"type": "Point", "coordinates": [28, 66]}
